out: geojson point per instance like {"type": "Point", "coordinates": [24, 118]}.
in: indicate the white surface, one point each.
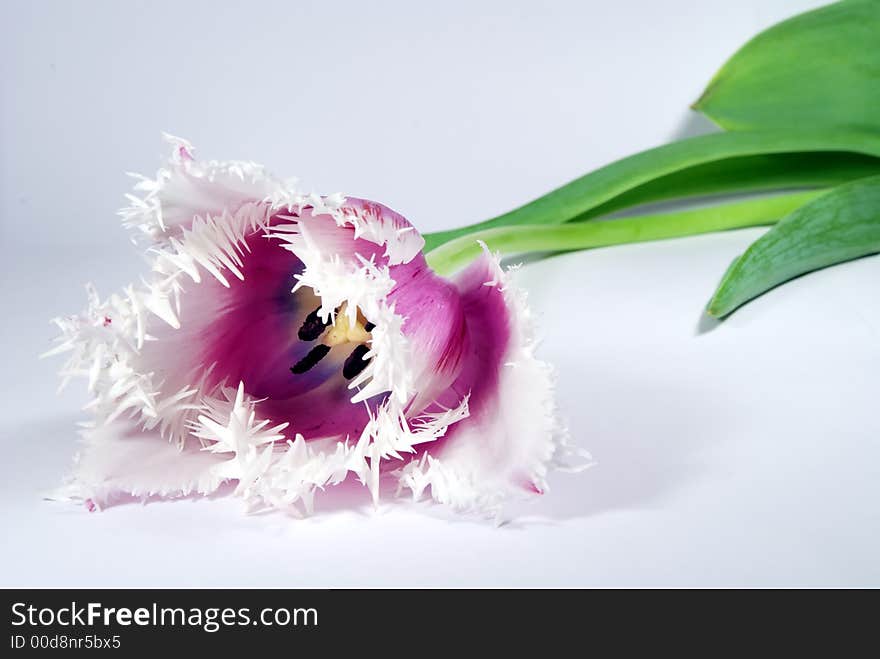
{"type": "Point", "coordinates": [748, 454]}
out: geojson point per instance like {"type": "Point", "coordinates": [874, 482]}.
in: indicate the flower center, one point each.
{"type": "Point", "coordinates": [340, 332]}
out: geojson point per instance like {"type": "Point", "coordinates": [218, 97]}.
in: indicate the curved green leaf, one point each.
{"type": "Point", "coordinates": [841, 225]}
{"type": "Point", "coordinates": [821, 68]}
{"type": "Point", "coordinates": [575, 199]}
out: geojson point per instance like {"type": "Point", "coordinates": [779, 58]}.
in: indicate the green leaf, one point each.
{"type": "Point", "coordinates": [588, 192]}
{"type": "Point", "coordinates": [838, 226]}
{"type": "Point", "coordinates": [522, 239]}
{"type": "Point", "coordinates": [821, 68]}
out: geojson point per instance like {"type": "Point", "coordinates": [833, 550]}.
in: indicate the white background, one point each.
{"type": "Point", "coordinates": [748, 454]}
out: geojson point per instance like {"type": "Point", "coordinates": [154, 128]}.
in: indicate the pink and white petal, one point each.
{"type": "Point", "coordinates": [383, 226]}
{"type": "Point", "coordinates": [121, 459]}
{"type": "Point", "coordinates": [186, 189]}
{"type": "Point", "coordinates": [512, 436]}
{"type": "Point", "coordinates": [434, 326]}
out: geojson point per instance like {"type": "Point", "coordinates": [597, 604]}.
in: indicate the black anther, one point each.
{"type": "Point", "coordinates": [315, 355]}
{"type": "Point", "coordinates": [355, 362]}
{"type": "Point", "coordinates": [312, 326]}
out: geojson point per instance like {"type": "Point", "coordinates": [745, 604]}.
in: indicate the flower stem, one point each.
{"type": "Point", "coordinates": [522, 239]}
{"type": "Point", "coordinates": [718, 163]}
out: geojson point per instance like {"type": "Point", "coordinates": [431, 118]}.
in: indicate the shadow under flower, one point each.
{"type": "Point", "coordinates": [642, 456]}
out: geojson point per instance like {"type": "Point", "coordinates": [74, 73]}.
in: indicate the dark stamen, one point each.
{"type": "Point", "coordinates": [315, 355]}
{"type": "Point", "coordinates": [355, 362]}
{"type": "Point", "coordinates": [369, 327]}
{"type": "Point", "coordinates": [312, 326]}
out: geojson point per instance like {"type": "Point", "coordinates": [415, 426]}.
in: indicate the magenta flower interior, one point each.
{"type": "Point", "coordinates": [285, 342]}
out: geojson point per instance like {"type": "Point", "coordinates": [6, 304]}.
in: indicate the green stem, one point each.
{"type": "Point", "coordinates": [508, 240]}
{"type": "Point", "coordinates": [578, 198]}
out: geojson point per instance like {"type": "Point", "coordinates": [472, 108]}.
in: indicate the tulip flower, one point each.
{"type": "Point", "coordinates": [285, 341]}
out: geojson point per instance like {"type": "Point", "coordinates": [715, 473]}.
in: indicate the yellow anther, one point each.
{"type": "Point", "coordinates": [342, 331]}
